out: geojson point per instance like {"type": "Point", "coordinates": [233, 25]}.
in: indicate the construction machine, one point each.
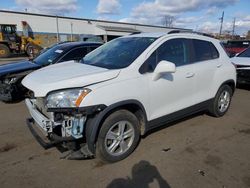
{"type": "Point", "coordinates": [12, 43]}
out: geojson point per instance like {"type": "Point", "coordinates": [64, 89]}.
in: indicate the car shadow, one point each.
{"type": "Point", "coordinates": [143, 173]}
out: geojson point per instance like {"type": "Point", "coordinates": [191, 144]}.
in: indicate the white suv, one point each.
{"type": "Point", "coordinates": [101, 106]}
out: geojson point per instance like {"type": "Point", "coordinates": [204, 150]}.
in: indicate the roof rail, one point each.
{"type": "Point", "coordinates": [194, 32]}
{"type": "Point", "coordinates": [134, 33]}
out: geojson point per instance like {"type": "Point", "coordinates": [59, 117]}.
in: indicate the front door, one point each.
{"type": "Point", "coordinates": [172, 91]}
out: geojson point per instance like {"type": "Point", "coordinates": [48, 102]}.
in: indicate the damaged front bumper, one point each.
{"type": "Point", "coordinates": [7, 92]}
{"type": "Point", "coordinates": [58, 128]}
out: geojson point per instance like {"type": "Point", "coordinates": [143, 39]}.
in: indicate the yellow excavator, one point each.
{"type": "Point", "coordinates": [12, 43]}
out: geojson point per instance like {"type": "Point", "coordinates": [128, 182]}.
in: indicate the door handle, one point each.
{"type": "Point", "coordinates": [189, 74]}
{"type": "Point", "coordinates": [219, 65]}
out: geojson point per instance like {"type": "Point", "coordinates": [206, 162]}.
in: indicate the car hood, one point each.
{"type": "Point", "coordinates": [241, 61]}
{"type": "Point", "coordinates": [66, 75]}
{"type": "Point", "coordinates": [17, 67]}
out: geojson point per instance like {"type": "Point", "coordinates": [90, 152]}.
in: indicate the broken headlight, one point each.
{"type": "Point", "coordinates": [67, 98]}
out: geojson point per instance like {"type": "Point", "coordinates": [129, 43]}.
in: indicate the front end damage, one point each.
{"type": "Point", "coordinates": [61, 128]}
{"type": "Point", "coordinates": [11, 89]}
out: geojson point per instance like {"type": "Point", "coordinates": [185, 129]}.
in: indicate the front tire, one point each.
{"type": "Point", "coordinates": [221, 102]}
{"type": "Point", "coordinates": [118, 137]}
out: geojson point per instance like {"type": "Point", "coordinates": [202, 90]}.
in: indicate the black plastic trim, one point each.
{"type": "Point", "coordinates": [88, 110]}
{"type": "Point", "coordinates": [93, 123]}
{"type": "Point", "coordinates": [228, 82]}
{"type": "Point", "coordinates": [178, 115]}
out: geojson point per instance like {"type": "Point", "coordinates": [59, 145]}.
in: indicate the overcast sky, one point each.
{"type": "Point", "coordinates": [200, 15]}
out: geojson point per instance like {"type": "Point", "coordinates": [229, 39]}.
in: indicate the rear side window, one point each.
{"type": "Point", "coordinates": [204, 50]}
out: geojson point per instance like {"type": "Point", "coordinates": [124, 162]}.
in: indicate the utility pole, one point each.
{"type": "Point", "coordinates": [221, 22]}
{"type": "Point", "coordinates": [233, 27]}
{"type": "Point", "coordinates": [57, 29]}
{"type": "Point", "coordinates": [71, 26]}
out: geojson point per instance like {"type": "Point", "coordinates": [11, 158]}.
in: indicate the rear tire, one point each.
{"type": "Point", "coordinates": [221, 102]}
{"type": "Point", "coordinates": [118, 137]}
{"type": "Point", "coordinates": [4, 51]}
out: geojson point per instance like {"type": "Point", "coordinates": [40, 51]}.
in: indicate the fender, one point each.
{"type": "Point", "coordinates": [231, 83]}
{"type": "Point", "coordinates": [93, 123]}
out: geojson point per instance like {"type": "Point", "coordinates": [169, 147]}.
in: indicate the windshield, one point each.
{"type": "Point", "coordinates": [118, 53]}
{"type": "Point", "coordinates": [245, 53]}
{"type": "Point", "coordinates": [49, 56]}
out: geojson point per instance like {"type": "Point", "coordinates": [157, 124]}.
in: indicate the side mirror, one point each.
{"type": "Point", "coordinates": [162, 68]}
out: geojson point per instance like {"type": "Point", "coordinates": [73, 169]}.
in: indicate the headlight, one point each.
{"type": "Point", "coordinates": [66, 98]}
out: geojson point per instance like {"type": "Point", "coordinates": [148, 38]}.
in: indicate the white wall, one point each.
{"type": "Point", "coordinates": [47, 24]}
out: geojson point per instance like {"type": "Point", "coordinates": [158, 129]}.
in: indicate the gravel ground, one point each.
{"type": "Point", "coordinates": [200, 151]}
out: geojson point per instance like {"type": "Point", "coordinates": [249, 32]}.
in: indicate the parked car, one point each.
{"type": "Point", "coordinates": [242, 62]}
{"type": "Point", "coordinates": [101, 106]}
{"type": "Point", "coordinates": [11, 74]}
{"type": "Point", "coordinates": [235, 46]}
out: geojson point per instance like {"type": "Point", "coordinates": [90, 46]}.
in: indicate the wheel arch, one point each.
{"type": "Point", "coordinates": [231, 83]}
{"type": "Point", "coordinates": [94, 123]}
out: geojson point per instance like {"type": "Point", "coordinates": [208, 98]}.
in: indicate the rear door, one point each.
{"type": "Point", "coordinates": [206, 60]}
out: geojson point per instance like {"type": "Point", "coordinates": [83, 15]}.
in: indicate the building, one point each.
{"type": "Point", "coordinates": [51, 29]}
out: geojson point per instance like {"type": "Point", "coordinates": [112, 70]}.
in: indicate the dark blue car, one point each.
{"type": "Point", "coordinates": [11, 74]}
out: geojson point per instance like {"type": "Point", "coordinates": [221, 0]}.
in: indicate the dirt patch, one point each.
{"type": "Point", "coordinates": [33, 157]}
{"type": "Point", "coordinates": [99, 164]}
{"type": "Point", "coordinates": [7, 147]}
{"type": "Point", "coordinates": [245, 131]}
{"type": "Point", "coordinates": [190, 150]}
{"type": "Point", "coordinates": [213, 161]}
{"type": "Point", "coordinates": [47, 153]}
{"type": "Point", "coordinates": [15, 163]}
{"type": "Point", "coordinates": [246, 181]}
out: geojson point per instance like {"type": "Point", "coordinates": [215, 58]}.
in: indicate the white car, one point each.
{"type": "Point", "coordinates": [101, 106]}
{"type": "Point", "coordinates": [242, 62]}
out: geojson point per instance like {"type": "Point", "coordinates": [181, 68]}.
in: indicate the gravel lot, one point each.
{"type": "Point", "coordinates": [200, 151]}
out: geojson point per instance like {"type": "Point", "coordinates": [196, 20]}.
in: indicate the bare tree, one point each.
{"type": "Point", "coordinates": [168, 20]}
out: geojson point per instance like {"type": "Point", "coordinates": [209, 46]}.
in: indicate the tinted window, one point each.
{"type": "Point", "coordinates": [118, 53]}
{"type": "Point", "coordinates": [245, 53]}
{"type": "Point", "coordinates": [49, 56]}
{"type": "Point", "coordinates": [75, 54]}
{"type": "Point", "coordinates": [204, 50]}
{"type": "Point", "coordinates": [174, 50]}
